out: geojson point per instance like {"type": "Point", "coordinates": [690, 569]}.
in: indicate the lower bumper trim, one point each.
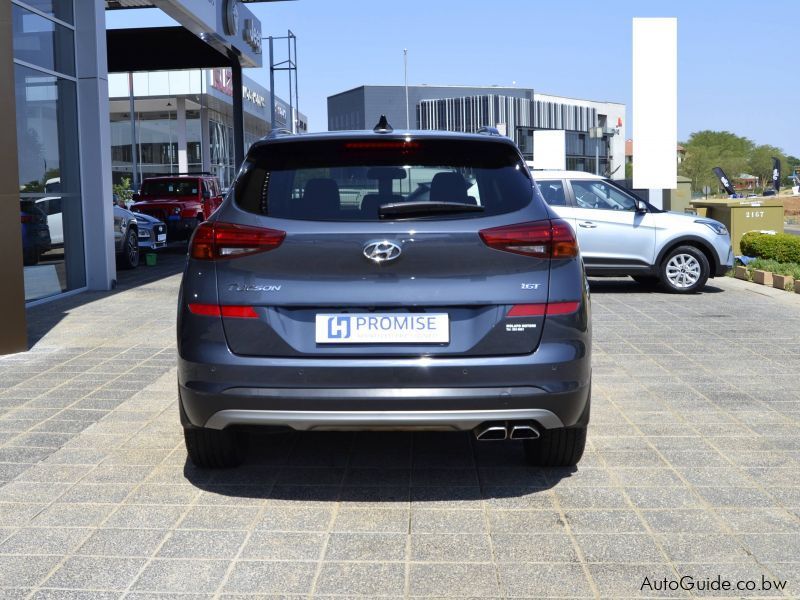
{"type": "Point", "coordinates": [464, 420]}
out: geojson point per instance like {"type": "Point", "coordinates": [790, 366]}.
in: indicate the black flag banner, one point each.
{"type": "Point", "coordinates": [723, 179]}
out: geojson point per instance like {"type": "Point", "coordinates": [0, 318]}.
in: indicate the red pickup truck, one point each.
{"type": "Point", "coordinates": [180, 201]}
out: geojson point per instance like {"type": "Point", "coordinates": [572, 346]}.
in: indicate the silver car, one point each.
{"type": "Point", "coordinates": [620, 234]}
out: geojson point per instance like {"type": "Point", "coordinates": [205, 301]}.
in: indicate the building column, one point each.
{"type": "Point", "coordinates": [238, 114]}
{"type": "Point", "coordinates": [205, 140]}
{"type": "Point", "coordinates": [183, 160]}
{"type": "Point", "coordinates": [14, 336]}
{"type": "Point", "coordinates": [95, 145]}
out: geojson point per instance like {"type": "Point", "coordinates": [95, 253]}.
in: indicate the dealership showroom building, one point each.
{"type": "Point", "coordinates": [66, 141]}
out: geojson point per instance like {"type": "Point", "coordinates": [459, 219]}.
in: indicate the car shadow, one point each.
{"type": "Point", "coordinates": [385, 467]}
{"type": "Point", "coordinates": [625, 285]}
{"type": "Point", "coordinates": [44, 317]}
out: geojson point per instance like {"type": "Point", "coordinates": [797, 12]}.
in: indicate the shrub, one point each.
{"type": "Point", "coordinates": [781, 247]}
{"type": "Point", "coordinates": [776, 267]}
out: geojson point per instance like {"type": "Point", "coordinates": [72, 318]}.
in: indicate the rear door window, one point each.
{"type": "Point", "coordinates": [553, 191]}
{"type": "Point", "coordinates": [363, 180]}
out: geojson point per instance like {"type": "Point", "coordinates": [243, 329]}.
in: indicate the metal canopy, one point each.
{"type": "Point", "coordinates": [160, 49]}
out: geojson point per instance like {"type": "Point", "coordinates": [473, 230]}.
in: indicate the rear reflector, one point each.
{"type": "Point", "coordinates": [214, 310]}
{"type": "Point", "coordinates": [217, 240]}
{"type": "Point", "coordinates": [538, 310]}
{"type": "Point", "coordinates": [540, 239]}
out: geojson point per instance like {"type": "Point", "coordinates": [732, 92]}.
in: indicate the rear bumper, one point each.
{"type": "Point", "coordinates": [338, 420]}
{"type": "Point", "coordinates": [550, 386]}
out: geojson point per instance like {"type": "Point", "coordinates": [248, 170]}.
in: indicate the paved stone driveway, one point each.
{"type": "Point", "coordinates": [691, 469]}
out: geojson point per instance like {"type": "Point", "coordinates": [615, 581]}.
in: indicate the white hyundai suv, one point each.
{"type": "Point", "coordinates": [621, 234]}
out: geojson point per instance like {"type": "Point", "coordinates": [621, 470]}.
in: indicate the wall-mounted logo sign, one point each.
{"type": "Point", "coordinates": [232, 17]}
{"type": "Point", "coordinates": [252, 34]}
{"type": "Point", "coordinates": [253, 96]}
{"type": "Point", "coordinates": [222, 80]}
{"type": "Point", "coordinates": [280, 113]}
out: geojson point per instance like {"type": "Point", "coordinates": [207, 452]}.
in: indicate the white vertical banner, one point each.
{"type": "Point", "coordinates": [655, 102]}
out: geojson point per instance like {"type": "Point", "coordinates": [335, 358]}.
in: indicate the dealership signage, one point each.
{"type": "Point", "coordinates": [222, 80]}
{"type": "Point", "coordinates": [280, 113]}
{"type": "Point", "coordinates": [253, 96]}
{"type": "Point", "coordinates": [252, 34]}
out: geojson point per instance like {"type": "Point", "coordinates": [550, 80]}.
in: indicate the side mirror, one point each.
{"type": "Point", "coordinates": [206, 194]}
{"type": "Point", "coordinates": [135, 196]}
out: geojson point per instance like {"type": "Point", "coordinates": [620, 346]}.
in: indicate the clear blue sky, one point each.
{"type": "Point", "coordinates": [737, 60]}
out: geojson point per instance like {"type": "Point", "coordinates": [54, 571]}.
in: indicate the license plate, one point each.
{"type": "Point", "coordinates": [383, 328]}
{"type": "Point", "coordinates": [161, 237]}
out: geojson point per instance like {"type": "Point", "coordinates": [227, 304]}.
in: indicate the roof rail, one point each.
{"type": "Point", "coordinates": [279, 132]}
{"type": "Point", "coordinates": [486, 130]}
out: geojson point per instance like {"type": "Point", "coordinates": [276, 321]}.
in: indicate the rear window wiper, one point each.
{"type": "Point", "coordinates": [424, 208]}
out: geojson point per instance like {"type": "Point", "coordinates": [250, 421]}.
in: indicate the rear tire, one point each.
{"type": "Point", "coordinates": [556, 447]}
{"type": "Point", "coordinates": [129, 257]}
{"type": "Point", "coordinates": [212, 448]}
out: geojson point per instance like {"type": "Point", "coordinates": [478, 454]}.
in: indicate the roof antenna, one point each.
{"type": "Point", "coordinates": [383, 126]}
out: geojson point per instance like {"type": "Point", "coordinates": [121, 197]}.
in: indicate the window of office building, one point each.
{"type": "Point", "coordinates": [51, 213]}
{"type": "Point", "coordinates": [157, 139]}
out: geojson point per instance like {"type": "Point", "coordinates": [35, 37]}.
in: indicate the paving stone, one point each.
{"type": "Point", "coordinates": [425, 520]}
{"type": "Point", "coordinates": [543, 580]}
{"type": "Point", "coordinates": [533, 548]}
{"type": "Point", "coordinates": [277, 578]}
{"type": "Point", "coordinates": [267, 545]}
{"type": "Point", "coordinates": [453, 580]}
{"type": "Point", "coordinates": [167, 575]}
{"type": "Point", "coordinates": [44, 540]}
{"type": "Point", "coordinates": [202, 544]}
{"type": "Point", "coordinates": [89, 572]}
{"type": "Point", "coordinates": [369, 547]}
{"type": "Point", "coordinates": [213, 517]}
{"type": "Point", "coordinates": [366, 579]}
{"type": "Point", "coordinates": [295, 519]}
{"type": "Point", "coordinates": [619, 548]}
{"type": "Point", "coordinates": [383, 520]}
{"type": "Point", "coordinates": [127, 543]}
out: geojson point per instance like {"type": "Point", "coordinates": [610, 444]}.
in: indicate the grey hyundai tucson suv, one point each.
{"type": "Point", "coordinates": [380, 280]}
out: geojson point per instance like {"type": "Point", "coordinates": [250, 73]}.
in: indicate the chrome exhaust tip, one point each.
{"type": "Point", "coordinates": [524, 432]}
{"type": "Point", "coordinates": [486, 433]}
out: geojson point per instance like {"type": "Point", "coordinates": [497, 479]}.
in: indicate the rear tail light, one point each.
{"type": "Point", "coordinates": [541, 239]}
{"type": "Point", "coordinates": [26, 218]}
{"type": "Point", "coordinates": [215, 310]}
{"type": "Point", "coordinates": [539, 310]}
{"type": "Point", "coordinates": [216, 240]}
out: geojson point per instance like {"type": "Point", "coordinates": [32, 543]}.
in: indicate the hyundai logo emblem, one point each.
{"type": "Point", "coordinates": [382, 251]}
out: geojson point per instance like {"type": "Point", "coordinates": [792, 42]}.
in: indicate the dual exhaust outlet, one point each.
{"type": "Point", "coordinates": [502, 431]}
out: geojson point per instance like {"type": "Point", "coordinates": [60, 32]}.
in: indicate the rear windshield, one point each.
{"type": "Point", "coordinates": [368, 180]}
{"type": "Point", "coordinates": [170, 187]}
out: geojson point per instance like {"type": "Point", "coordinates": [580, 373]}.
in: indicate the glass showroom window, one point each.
{"type": "Point", "coordinates": [51, 216]}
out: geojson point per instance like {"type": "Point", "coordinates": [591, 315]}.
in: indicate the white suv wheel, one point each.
{"type": "Point", "coordinates": [685, 270]}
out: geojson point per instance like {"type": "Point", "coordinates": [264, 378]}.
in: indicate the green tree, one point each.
{"type": "Point", "coordinates": [760, 163]}
{"type": "Point", "coordinates": [733, 153]}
